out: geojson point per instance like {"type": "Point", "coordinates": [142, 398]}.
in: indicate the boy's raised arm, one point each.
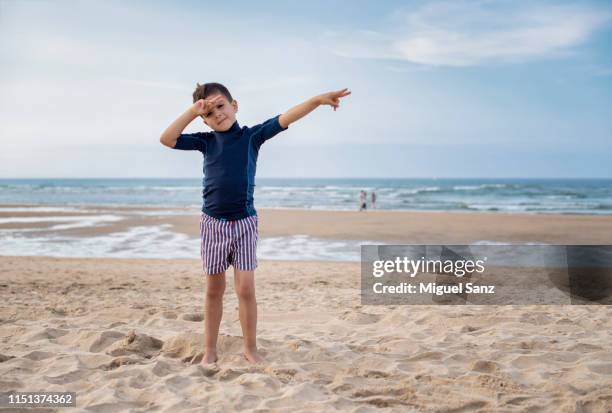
{"type": "Point", "coordinates": [172, 132]}
{"type": "Point", "coordinates": [297, 112]}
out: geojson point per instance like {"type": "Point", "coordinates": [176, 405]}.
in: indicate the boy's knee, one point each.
{"type": "Point", "coordinates": [215, 286]}
{"type": "Point", "coordinates": [245, 291]}
{"type": "Point", "coordinates": [215, 292]}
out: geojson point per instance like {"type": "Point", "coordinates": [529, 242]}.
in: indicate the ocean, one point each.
{"type": "Point", "coordinates": [564, 196]}
{"type": "Point", "coordinates": [68, 217]}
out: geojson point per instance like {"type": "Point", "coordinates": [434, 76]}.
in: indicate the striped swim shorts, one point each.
{"type": "Point", "coordinates": [226, 243]}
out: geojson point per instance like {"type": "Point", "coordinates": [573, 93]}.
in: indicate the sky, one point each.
{"type": "Point", "coordinates": [439, 88]}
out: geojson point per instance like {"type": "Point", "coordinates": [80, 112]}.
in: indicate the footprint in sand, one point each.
{"type": "Point", "coordinates": [301, 345]}
{"type": "Point", "coordinates": [285, 375]}
{"type": "Point", "coordinates": [426, 355]}
{"type": "Point", "coordinates": [385, 391]}
{"type": "Point", "coordinates": [39, 355]}
{"type": "Point", "coordinates": [230, 374]}
{"type": "Point", "coordinates": [261, 384]}
{"type": "Point", "coordinates": [469, 329]}
{"type": "Point", "coordinates": [171, 315]}
{"type": "Point", "coordinates": [105, 339]}
{"type": "Point", "coordinates": [209, 370]}
{"type": "Point", "coordinates": [375, 374]}
{"type": "Point", "coordinates": [120, 361]}
{"type": "Point", "coordinates": [4, 358]}
{"type": "Point", "coordinates": [57, 311]}
{"type": "Point", "coordinates": [47, 333]}
{"type": "Point", "coordinates": [161, 369]}
{"type": "Point", "coordinates": [139, 344]}
{"type": "Point", "coordinates": [186, 346]}
{"type": "Point", "coordinates": [69, 377]}
{"type": "Point", "coordinates": [485, 366]}
{"type": "Point", "coordinates": [360, 318]}
{"type": "Point", "coordinates": [193, 317]}
{"type": "Point", "coordinates": [178, 383]}
{"type": "Point", "coordinates": [601, 368]}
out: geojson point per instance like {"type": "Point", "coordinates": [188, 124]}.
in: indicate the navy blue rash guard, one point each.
{"type": "Point", "coordinates": [230, 161]}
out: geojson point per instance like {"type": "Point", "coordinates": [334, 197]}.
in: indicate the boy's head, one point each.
{"type": "Point", "coordinates": [222, 116]}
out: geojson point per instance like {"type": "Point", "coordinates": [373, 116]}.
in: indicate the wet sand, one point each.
{"type": "Point", "coordinates": [402, 227]}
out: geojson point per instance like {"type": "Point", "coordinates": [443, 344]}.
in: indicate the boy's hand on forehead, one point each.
{"type": "Point", "coordinates": [203, 106]}
{"type": "Point", "coordinates": [333, 98]}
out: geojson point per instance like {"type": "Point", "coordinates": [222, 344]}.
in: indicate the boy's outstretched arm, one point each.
{"type": "Point", "coordinates": [297, 112]}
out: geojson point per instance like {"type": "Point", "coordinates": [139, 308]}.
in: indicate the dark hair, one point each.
{"type": "Point", "coordinates": [209, 89]}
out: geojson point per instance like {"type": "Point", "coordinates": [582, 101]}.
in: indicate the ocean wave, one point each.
{"type": "Point", "coordinates": [478, 187]}
{"type": "Point", "coordinates": [571, 194]}
{"type": "Point", "coordinates": [562, 196]}
{"type": "Point", "coordinates": [174, 188]}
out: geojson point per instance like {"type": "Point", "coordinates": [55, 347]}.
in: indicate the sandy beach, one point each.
{"type": "Point", "coordinates": [384, 226]}
{"type": "Point", "coordinates": [127, 334]}
{"type": "Point", "coordinates": [422, 188]}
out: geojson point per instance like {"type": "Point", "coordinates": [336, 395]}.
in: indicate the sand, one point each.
{"type": "Point", "coordinates": [127, 335]}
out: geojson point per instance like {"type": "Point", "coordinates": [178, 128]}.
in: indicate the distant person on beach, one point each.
{"type": "Point", "coordinates": [373, 198]}
{"type": "Point", "coordinates": [362, 201]}
{"type": "Point", "coordinates": [228, 224]}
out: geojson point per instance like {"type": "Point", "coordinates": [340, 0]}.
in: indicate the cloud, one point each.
{"type": "Point", "coordinates": [474, 33]}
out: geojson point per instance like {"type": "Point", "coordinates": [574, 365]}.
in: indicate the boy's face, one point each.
{"type": "Point", "coordinates": [222, 116]}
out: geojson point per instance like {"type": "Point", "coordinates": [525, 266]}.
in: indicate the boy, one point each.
{"type": "Point", "coordinates": [228, 225]}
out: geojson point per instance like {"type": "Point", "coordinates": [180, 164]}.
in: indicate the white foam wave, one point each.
{"type": "Point", "coordinates": [304, 247]}
{"type": "Point", "coordinates": [86, 220]}
{"type": "Point", "coordinates": [40, 209]}
{"type": "Point", "coordinates": [161, 242]}
{"type": "Point", "coordinates": [137, 242]}
{"type": "Point", "coordinates": [475, 187]}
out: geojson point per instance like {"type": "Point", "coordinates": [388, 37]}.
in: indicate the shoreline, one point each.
{"type": "Point", "coordinates": [406, 227]}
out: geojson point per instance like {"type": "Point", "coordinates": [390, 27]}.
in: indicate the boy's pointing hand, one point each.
{"type": "Point", "coordinates": [298, 112]}
{"type": "Point", "coordinates": [333, 98]}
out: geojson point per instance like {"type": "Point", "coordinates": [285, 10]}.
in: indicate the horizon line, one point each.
{"type": "Point", "coordinates": [327, 177]}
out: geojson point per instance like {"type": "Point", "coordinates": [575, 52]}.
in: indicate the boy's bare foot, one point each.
{"type": "Point", "coordinates": [209, 358]}
{"type": "Point", "coordinates": [252, 356]}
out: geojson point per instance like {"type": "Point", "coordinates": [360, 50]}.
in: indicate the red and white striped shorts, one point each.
{"type": "Point", "coordinates": [226, 243]}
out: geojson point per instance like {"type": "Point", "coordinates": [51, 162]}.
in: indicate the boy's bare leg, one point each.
{"type": "Point", "coordinates": [213, 311]}
{"type": "Point", "coordinates": [244, 282]}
